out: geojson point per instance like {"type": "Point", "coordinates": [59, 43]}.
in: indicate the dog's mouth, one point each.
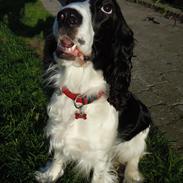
{"type": "Point", "coordinates": [66, 48]}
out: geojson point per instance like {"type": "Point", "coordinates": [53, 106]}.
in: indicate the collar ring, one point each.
{"type": "Point", "coordinates": [76, 104]}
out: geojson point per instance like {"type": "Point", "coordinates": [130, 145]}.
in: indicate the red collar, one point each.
{"type": "Point", "coordinates": [78, 98]}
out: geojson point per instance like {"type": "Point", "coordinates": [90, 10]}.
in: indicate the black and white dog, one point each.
{"type": "Point", "coordinates": [93, 118]}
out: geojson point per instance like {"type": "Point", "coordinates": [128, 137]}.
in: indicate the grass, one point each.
{"type": "Point", "coordinates": [163, 164]}
{"type": "Point", "coordinates": [32, 12]}
{"type": "Point", "coordinates": [34, 17]}
{"type": "Point", "coordinates": [23, 114]}
{"type": "Point", "coordinates": [22, 109]}
{"type": "Point", "coordinates": [28, 20]}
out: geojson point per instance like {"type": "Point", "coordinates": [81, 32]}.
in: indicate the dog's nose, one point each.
{"type": "Point", "coordinates": [69, 17]}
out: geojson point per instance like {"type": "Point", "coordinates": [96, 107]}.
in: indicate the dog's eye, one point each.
{"type": "Point", "coordinates": [107, 8]}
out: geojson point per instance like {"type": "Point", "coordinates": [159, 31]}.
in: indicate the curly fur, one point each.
{"type": "Point", "coordinates": [118, 123]}
{"type": "Point", "coordinates": [112, 54]}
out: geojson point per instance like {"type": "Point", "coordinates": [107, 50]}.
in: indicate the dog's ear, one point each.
{"type": "Point", "coordinates": [49, 47]}
{"type": "Point", "coordinates": [119, 71]}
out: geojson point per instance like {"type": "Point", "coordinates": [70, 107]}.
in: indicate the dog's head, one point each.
{"type": "Point", "coordinates": [82, 24]}
{"type": "Point", "coordinates": [73, 31]}
{"type": "Point", "coordinates": [96, 29]}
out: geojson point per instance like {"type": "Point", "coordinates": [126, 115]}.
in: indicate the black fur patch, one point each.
{"type": "Point", "coordinates": [112, 52]}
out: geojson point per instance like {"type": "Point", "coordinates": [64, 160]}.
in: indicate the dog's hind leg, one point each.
{"type": "Point", "coordinates": [132, 174]}
{"type": "Point", "coordinates": [130, 153]}
{"type": "Point", "coordinates": [53, 171]}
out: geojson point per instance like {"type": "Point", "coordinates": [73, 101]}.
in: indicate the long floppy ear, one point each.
{"type": "Point", "coordinates": [119, 72]}
{"type": "Point", "coordinates": [49, 47]}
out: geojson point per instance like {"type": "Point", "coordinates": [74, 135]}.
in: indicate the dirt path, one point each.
{"type": "Point", "coordinates": [157, 77]}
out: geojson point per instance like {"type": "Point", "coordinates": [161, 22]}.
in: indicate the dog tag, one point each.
{"type": "Point", "coordinates": [80, 115]}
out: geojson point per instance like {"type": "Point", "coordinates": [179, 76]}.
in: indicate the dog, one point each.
{"type": "Point", "coordinates": [93, 117]}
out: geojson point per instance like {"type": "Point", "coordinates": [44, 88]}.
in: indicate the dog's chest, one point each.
{"type": "Point", "coordinates": [79, 136]}
{"type": "Point", "coordinates": [97, 132]}
{"type": "Point", "coordinates": [85, 136]}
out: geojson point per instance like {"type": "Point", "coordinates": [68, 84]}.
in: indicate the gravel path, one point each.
{"type": "Point", "coordinates": [157, 77]}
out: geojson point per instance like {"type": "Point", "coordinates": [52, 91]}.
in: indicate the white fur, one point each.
{"type": "Point", "coordinates": [93, 142]}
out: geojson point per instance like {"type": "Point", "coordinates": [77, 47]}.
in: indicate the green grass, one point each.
{"type": "Point", "coordinates": [22, 109]}
{"type": "Point", "coordinates": [32, 14]}
{"type": "Point", "coordinates": [23, 115]}
{"type": "Point", "coordinates": [163, 164]}
{"type": "Point", "coordinates": [38, 22]}
{"type": "Point", "coordinates": [28, 20]}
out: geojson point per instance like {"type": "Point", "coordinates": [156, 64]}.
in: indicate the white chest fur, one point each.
{"type": "Point", "coordinates": [93, 142]}
{"type": "Point", "coordinates": [78, 137]}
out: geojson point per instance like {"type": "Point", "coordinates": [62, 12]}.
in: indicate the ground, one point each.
{"type": "Point", "coordinates": [157, 65]}
{"type": "Point", "coordinates": [158, 68]}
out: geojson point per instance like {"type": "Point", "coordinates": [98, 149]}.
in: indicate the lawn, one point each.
{"type": "Point", "coordinates": [23, 148]}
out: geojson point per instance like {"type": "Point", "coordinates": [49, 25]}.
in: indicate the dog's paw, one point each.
{"type": "Point", "coordinates": [133, 177]}
{"type": "Point", "coordinates": [47, 177]}
{"type": "Point", "coordinates": [43, 177]}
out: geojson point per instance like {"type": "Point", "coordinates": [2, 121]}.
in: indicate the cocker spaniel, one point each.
{"type": "Point", "coordinates": [93, 117]}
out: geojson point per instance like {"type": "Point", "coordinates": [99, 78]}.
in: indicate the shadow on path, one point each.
{"type": "Point", "coordinates": [13, 11]}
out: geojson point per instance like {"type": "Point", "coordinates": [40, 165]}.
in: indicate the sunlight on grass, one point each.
{"type": "Point", "coordinates": [22, 108]}
{"type": "Point", "coordinates": [33, 13]}
{"type": "Point", "coordinates": [23, 114]}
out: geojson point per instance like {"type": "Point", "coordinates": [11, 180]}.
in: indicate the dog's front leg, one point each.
{"type": "Point", "coordinates": [103, 172]}
{"type": "Point", "coordinates": [53, 171]}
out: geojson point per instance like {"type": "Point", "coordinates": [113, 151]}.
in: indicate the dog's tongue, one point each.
{"type": "Point", "coordinates": [66, 42]}
{"type": "Point", "coordinates": [67, 46]}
